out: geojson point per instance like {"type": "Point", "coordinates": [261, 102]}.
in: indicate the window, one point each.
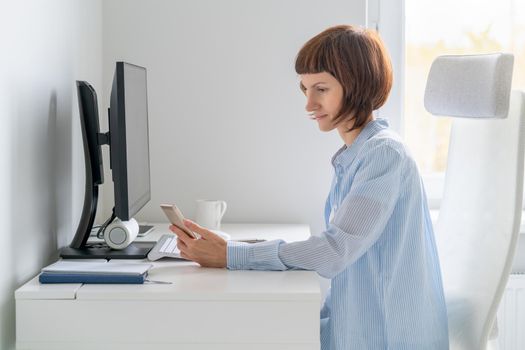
{"type": "Point", "coordinates": [452, 27]}
{"type": "Point", "coordinates": [431, 29]}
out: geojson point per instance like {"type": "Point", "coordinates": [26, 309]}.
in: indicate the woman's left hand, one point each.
{"type": "Point", "coordinates": [208, 251]}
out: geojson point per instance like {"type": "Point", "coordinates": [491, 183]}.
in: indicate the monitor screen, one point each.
{"type": "Point", "coordinates": [129, 150]}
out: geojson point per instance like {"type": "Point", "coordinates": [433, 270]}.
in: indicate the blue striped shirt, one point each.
{"type": "Point", "coordinates": [378, 249]}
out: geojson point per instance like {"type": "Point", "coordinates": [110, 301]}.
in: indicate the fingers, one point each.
{"type": "Point", "coordinates": [184, 250]}
{"type": "Point", "coordinates": [193, 226]}
{"type": "Point", "coordinates": [181, 245]}
{"type": "Point", "coordinates": [208, 251]}
{"type": "Point", "coordinates": [205, 252]}
{"type": "Point", "coordinates": [184, 255]}
{"type": "Point", "coordinates": [180, 234]}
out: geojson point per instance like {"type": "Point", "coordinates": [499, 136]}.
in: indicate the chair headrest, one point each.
{"type": "Point", "coordinates": [470, 86]}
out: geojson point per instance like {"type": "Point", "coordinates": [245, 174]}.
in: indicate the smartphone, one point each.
{"type": "Point", "coordinates": [176, 218]}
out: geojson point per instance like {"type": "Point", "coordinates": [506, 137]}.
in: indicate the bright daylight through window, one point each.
{"type": "Point", "coordinates": [453, 27]}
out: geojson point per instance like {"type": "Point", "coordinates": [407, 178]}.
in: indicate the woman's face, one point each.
{"type": "Point", "coordinates": [324, 96]}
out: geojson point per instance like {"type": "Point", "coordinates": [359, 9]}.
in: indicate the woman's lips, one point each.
{"type": "Point", "coordinates": [318, 117]}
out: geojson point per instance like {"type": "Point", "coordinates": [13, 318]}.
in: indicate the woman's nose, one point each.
{"type": "Point", "coordinates": [311, 104]}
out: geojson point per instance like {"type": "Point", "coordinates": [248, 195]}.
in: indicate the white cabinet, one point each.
{"type": "Point", "coordinates": [201, 309]}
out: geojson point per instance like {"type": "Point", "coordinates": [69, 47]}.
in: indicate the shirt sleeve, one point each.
{"type": "Point", "coordinates": [355, 227]}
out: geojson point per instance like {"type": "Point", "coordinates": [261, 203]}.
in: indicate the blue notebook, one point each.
{"type": "Point", "coordinates": [46, 277]}
{"type": "Point", "coordinates": [95, 271]}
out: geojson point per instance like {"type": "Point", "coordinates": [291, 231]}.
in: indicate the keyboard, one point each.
{"type": "Point", "coordinates": [166, 247]}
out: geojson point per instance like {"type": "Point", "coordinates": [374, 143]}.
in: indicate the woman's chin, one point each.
{"type": "Point", "coordinates": [325, 127]}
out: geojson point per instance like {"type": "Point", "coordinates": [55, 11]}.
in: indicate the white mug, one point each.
{"type": "Point", "coordinates": [210, 212]}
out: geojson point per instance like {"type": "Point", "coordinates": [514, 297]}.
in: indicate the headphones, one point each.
{"type": "Point", "coordinates": [119, 234]}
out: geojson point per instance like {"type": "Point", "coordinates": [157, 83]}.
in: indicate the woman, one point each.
{"type": "Point", "coordinates": [378, 248]}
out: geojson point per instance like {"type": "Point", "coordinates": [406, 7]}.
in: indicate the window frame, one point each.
{"type": "Point", "coordinates": [391, 27]}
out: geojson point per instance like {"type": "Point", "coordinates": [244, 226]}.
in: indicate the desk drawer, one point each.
{"type": "Point", "coordinates": [167, 322]}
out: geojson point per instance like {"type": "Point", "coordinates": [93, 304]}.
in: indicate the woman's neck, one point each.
{"type": "Point", "coordinates": [349, 137]}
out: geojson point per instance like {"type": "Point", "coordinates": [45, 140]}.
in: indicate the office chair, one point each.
{"type": "Point", "coordinates": [479, 219]}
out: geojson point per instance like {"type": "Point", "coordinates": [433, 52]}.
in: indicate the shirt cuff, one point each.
{"type": "Point", "coordinates": [254, 256]}
{"type": "Point", "coordinates": [237, 255]}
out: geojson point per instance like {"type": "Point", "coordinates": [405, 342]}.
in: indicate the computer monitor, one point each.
{"type": "Point", "coordinates": [128, 140]}
{"type": "Point", "coordinates": [129, 149]}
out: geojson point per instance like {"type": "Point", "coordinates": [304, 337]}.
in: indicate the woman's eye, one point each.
{"type": "Point", "coordinates": [321, 89]}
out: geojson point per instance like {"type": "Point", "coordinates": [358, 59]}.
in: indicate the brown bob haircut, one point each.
{"type": "Point", "coordinates": [357, 58]}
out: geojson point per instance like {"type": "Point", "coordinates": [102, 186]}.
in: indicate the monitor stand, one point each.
{"type": "Point", "coordinates": [136, 250]}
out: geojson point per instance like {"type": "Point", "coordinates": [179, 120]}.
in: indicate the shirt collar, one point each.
{"type": "Point", "coordinates": [346, 154]}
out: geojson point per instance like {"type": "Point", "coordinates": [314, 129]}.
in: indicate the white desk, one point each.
{"type": "Point", "coordinates": [202, 309]}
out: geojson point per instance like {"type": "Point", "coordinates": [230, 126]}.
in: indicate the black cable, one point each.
{"type": "Point", "coordinates": [100, 232]}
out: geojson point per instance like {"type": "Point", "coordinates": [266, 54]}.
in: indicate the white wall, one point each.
{"type": "Point", "coordinates": [46, 46]}
{"type": "Point", "coordinates": [227, 119]}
